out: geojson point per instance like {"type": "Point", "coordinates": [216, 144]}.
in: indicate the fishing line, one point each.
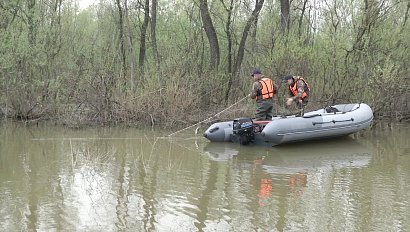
{"type": "Point", "coordinates": [196, 131]}
{"type": "Point", "coordinates": [85, 138]}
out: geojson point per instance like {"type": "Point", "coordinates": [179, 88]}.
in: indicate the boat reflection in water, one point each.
{"type": "Point", "coordinates": [341, 153]}
{"type": "Point", "coordinates": [290, 158]}
{"type": "Point", "coordinates": [292, 168]}
{"type": "Point", "coordinates": [221, 151]}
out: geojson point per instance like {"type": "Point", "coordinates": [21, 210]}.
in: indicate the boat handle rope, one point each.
{"type": "Point", "coordinates": [333, 121]}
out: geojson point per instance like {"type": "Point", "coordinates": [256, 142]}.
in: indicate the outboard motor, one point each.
{"type": "Point", "coordinates": [243, 128]}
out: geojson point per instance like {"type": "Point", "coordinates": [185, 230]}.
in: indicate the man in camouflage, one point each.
{"type": "Point", "coordinates": [298, 91]}
{"type": "Point", "coordinates": [263, 90]}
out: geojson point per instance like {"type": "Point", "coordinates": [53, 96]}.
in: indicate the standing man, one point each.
{"type": "Point", "coordinates": [263, 90]}
{"type": "Point", "coordinates": [298, 91]}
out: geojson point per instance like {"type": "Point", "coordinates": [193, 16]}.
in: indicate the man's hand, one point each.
{"type": "Point", "coordinates": [289, 101]}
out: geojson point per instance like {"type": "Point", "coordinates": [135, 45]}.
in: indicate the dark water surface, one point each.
{"type": "Point", "coordinates": [116, 179]}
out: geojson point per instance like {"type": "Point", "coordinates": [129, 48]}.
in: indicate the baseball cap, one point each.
{"type": "Point", "coordinates": [256, 71]}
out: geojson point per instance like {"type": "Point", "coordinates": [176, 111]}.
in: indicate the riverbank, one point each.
{"type": "Point", "coordinates": [162, 121]}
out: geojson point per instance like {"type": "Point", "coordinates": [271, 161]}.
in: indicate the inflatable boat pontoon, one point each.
{"type": "Point", "coordinates": [333, 121]}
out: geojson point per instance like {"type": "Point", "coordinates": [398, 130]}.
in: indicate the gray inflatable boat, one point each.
{"type": "Point", "coordinates": [329, 122]}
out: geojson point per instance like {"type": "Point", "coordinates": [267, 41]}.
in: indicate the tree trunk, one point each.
{"type": "Point", "coordinates": [211, 34]}
{"type": "Point", "coordinates": [121, 36]}
{"type": "Point", "coordinates": [154, 37]}
{"type": "Point", "coordinates": [301, 18]}
{"type": "Point", "coordinates": [242, 43]}
{"type": "Point", "coordinates": [143, 31]}
{"type": "Point", "coordinates": [284, 15]}
{"type": "Point", "coordinates": [131, 48]}
{"type": "Point", "coordinates": [31, 21]}
{"type": "Point", "coordinates": [228, 32]}
{"type": "Point", "coordinates": [406, 17]}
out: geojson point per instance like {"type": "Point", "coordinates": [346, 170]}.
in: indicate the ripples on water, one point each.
{"type": "Point", "coordinates": [123, 179]}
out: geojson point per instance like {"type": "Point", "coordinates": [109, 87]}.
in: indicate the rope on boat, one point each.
{"type": "Point", "coordinates": [196, 131]}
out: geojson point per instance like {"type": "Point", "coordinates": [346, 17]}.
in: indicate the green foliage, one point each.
{"type": "Point", "coordinates": [60, 63]}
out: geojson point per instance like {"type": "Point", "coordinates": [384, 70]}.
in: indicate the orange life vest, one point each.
{"type": "Point", "coordinates": [267, 90]}
{"type": "Point", "coordinates": [294, 87]}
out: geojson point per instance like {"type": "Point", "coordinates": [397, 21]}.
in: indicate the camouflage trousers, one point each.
{"type": "Point", "coordinates": [264, 109]}
{"type": "Point", "coordinates": [298, 108]}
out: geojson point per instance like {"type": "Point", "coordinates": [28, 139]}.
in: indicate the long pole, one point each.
{"type": "Point", "coordinates": [208, 118]}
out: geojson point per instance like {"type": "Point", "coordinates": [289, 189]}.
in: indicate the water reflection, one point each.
{"type": "Point", "coordinates": [221, 151]}
{"type": "Point", "coordinates": [116, 179]}
{"type": "Point", "coordinates": [317, 156]}
{"type": "Point", "coordinates": [284, 176]}
{"type": "Point", "coordinates": [339, 152]}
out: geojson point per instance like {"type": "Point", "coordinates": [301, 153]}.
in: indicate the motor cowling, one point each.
{"type": "Point", "coordinates": [243, 128]}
